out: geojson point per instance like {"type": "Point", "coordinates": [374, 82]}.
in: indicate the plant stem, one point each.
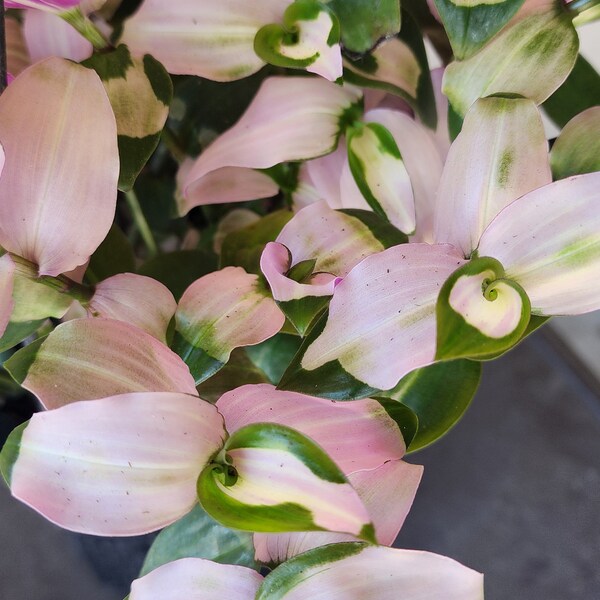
{"type": "Point", "coordinates": [85, 27]}
{"type": "Point", "coordinates": [141, 223]}
{"type": "Point", "coordinates": [61, 283]}
{"type": "Point", "coordinates": [3, 69]}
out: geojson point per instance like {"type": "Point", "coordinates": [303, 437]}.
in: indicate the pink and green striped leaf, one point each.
{"type": "Point", "coordinates": [314, 249]}
{"type": "Point", "coordinates": [290, 119]}
{"type": "Point", "coordinates": [50, 5]}
{"type": "Point", "coordinates": [308, 38]}
{"type": "Point", "coordinates": [271, 478]}
{"type": "Point", "coordinates": [480, 312]}
{"type": "Point", "coordinates": [381, 175]}
{"type": "Point", "coordinates": [381, 324]}
{"type": "Point", "coordinates": [544, 45]}
{"type": "Point", "coordinates": [577, 148]}
{"type": "Point", "coordinates": [476, 185]}
{"type": "Point", "coordinates": [140, 92]}
{"type": "Point", "coordinates": [549, 243]}
{"type": "Point", "coordinates": [219, 312]}
{"type": "Point", "coordinates": [335, 426]}
{"type": "Point", "coordinates": [135, 299]}
{"type": "Point", "coordinates": [197, 579]}
{"type": "Point", "coordinates": [42, 215]}
{"type": "Point", "coordinates": [393, 483]}
{"type": "Point", "coordinates": [357, 570]}
{"type": "Point", "coordinates": [122, 465]}
{"type": "Point", "coordinates": [210, 39]}
{"type": "Point", "coordinates": [86, 359]}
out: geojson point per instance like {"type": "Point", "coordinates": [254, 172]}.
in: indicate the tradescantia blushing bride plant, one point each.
{"type": "Point", "coordinates": [249, 379]}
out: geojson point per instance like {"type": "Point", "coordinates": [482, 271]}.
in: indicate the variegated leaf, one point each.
{"type": "Point", "coordinates": [289, 119]}
{"type": "Point", "coordinates": [380, 173]}
{"type": "Point", "coordinates": [140, 91]}
{"type": "Point", "coordinates": [219, 312]}
{"type": "Point", "coordinates": [476, 185]}
{"type": "Point", "coordinates": [480, 312]}
{"type": "Point", "coordinates": [381, 324]}
{"type": "Point", "coordinates": [308, 38]}
{"type": "Point", "coordinates": [544, 45]}
{"type": "Point", "coordinates": [197, 579]}
{"type": "Point", "coordinates": [87, 359]}
{"type": "Point", "coordinates": [134, 299]}
{"type": "Point", "coordinates": [212, 39]}
{"type": "Point", "coordinates": [122, 465]}
{"type": "Point", "coordinates": [271, 478]}
{"type": "Point", "coordinates": [549, 243]}
{"type": "Point", "coordinates": [42, 215]}
{"type": "Point", "coordinates": [356, 570]}
{"type": "Point", "coordinates": [577, 149]}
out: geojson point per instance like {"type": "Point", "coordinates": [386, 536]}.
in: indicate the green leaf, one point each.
{"type": "Point", "coordinates": [303, 312]}
{"type": "Point", "coordinates": [201, 364]}
{"type": "Point", "coordinates": [274, 355]}
{"type": "Point", "coordinates": [299, 568]}
{"type": "Point", "coordinates": [363, 24]}
{"type": "Point", "coordinates": [330, 380]}
{"type": "Point", "coordinates": [479, 312]}
{"type": "Point", "coordinates": [177, 270]}
{"type": "Point", "coordinates": [243, 248]}
{"type": "Point", "coordinates": [405, 417]}
{"type": "Point", "coordinates": [113, 256]}
{"type": "Point", "coordinates": [577, 149]}
{"type": "Point", "coordinates": [16, 332]}
{"type": "Point", "coordinates": [239, 370]}
{"type": "Point", "coordinates": [581, 90]}
{"type": "Point", "coordinates": [273, 41]}
{"type": "Point", "coordinates": [470, 25]}
{"type": "Point", "coordinates": [381, 228]}
{"type": "Point", "coordinates": [10, 452]}
{"type": "Point", "coordinates": [19, 363]}
{"type": "Point", "coordinates": [411, 80]}
{"type": "Point", "coordinates": [140, 91]}
{"type": "Point", "coordinates": [531, 58]}
{"type": "Point", "coordinates": [438, 394]}
{"type": "Point", "coordinates": [198, 535]}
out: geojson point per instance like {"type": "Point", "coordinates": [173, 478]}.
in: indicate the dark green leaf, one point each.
{"type": "Point", "coordinates": [439, 395]}
{"type": "Point", "coordinates": [200, 363]}
{"type": "Point", "coordinates": [243, 248]}
{"type": "Point", "coordinates": [581, 90]}
{"type": "Point", "coordinates": [405, 417]}
{"type": "Point", "coordinates": [177, 270]}
{"type": "Point", "coordinates": [469, 28]}
{"type": "Point", "coordinates": [238, 371]}
{"type": "Point", "coordinates": [113, 256]}
{"type": "Point", "coordinates": [330, 380]}
{"type": "Point", "coordinates": [363, 24]}
{"type": "Point", "coordinates": [15, 333]}
{"type": "Point", "coordinates": [198, 535]}
{"type": "Point", "coordinates": [274, 355]}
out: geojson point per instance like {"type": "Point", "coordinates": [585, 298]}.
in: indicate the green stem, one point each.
{"type": "Point", "coordinates": [61, 283]}
{"type": "Point", "coordinates": [85, 27]}
{"type": "Point", "coordinates": [141, 223]}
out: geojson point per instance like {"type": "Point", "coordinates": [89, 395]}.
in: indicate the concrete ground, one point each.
{"type": "Point", "coordinates": [513, 491]}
